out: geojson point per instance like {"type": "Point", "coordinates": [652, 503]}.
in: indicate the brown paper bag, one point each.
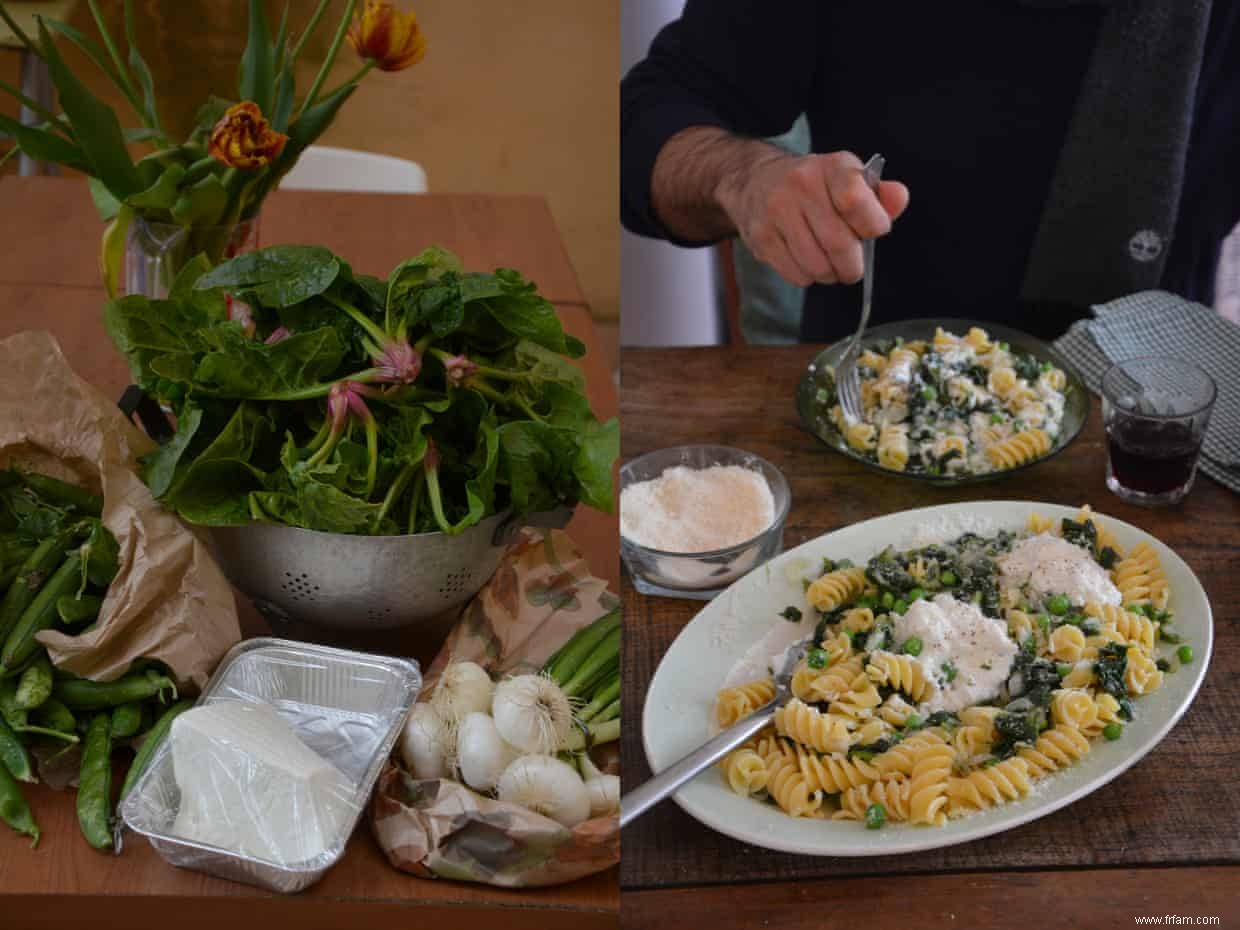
{"type": "Point", "coordinates": [539, 596]}
{"type": "Point", "coordinates": [170, 600]}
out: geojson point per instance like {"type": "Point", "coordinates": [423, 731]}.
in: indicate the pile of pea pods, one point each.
{"type": "Point", "coordinates": [57, 560]}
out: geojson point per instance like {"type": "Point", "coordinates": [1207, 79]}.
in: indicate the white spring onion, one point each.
{"type": "Point", "coordinates": [463, 688]}
{"type": "Point", "coordinates": [481, 753]}
{"type": "Point", "coordinates": [604, 790]}
{"type": "Point", "coordinates": [532, 713]}
{"type": "Point", "coordinates": [546, 786]}
{"type": "Point", "coordinates": [424, 747]}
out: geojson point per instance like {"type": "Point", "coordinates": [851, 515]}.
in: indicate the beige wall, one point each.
{"type": "Point", "coordinates": [511, 98]}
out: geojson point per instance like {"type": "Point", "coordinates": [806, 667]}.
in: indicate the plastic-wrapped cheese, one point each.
{"type": "Point", "coordinates": [249, 785]}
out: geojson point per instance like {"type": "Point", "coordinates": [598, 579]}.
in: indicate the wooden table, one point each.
{"type": "Point", "coordinates": [49, 280]}
{"type": "Point", "coordinates": [1162, 839]}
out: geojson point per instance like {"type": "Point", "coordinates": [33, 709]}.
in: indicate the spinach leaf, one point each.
{"type": "Point", "coordinates": [279, 276]}
{"type": "Point", "coordinates": [238, 367]}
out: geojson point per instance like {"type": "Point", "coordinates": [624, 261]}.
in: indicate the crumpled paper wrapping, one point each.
{"type": "Point", "coordinates": [539, 596]}
{"type": "Point", "coordinates": [170, 600]}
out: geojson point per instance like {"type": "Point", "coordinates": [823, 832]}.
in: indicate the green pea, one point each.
{"type": "Point", "coordinates": [916, 594]}
{"type": "Point", "coordinates": [912, 721]}
{"type": "Point", "coordinates": [875, 816]}
{"type": "Point", "coordinates": [888, 599]}
{"type": "Point", "coordinates": [867, 600]}
{"type": "Point", "coordinates": [817, 658]}
{"type": "Point", "coordinates": [912, 646]}
{"type": "Point", "coordinates": [1184, 654]}
{"type": "Point", "coordinates": [996, 418]}
{"type": "Point", "coordinates": [899, 606]}
{"type": "Point", "coordinates": [948, 579]}
{"type": "Point", "coordinates": [929, 392]}
{"type": "Point", "coordinates": [1064, 669]}
{"type": "Point", "coordinates": [1044, 622]}
{"type": "Point", "coordinates": [1113, 731]}
{"type": "Point", "coordinates": [1058, 604]}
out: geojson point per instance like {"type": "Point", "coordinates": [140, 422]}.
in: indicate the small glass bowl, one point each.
{"type": "Point", "coordinates": [702, 575]}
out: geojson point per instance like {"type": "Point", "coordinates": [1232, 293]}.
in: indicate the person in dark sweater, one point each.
{"type": "Point", "coordinates": [1050, 154]}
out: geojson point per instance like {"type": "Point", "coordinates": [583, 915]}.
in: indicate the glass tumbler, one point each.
{"type": "Point", "coordinates": [1155, 411]}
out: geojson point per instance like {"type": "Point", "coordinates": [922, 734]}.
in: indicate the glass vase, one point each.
{"type": "Point", "coordinates": [155, 253]}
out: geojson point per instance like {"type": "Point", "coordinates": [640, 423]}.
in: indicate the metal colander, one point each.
{"type": "Point", "coordinates": [366, 582]}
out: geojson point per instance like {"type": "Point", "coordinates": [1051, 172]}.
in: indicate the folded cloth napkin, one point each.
{"type": "Point", "coordinates": [1159, 323]}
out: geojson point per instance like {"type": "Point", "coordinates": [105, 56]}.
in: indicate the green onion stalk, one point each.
{"type": "Point", "coordinates": [587, 670]}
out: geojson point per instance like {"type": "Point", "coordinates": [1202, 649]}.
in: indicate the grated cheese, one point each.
{"type": "Point", "coordinates": [688, 510]}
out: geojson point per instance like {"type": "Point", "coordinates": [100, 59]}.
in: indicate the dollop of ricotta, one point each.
{"type": "Point", "coordinates": [1051, 565]}
{"type": "Point", "coordinates": [957, 635]}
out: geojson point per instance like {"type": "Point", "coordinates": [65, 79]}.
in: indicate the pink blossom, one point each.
{"type": "Point", "coordinates": [240, 312]}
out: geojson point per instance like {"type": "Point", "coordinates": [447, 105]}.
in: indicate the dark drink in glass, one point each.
{"type": "Point", "coordinates": [1156, 411]}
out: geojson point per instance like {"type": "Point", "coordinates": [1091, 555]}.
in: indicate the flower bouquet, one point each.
{"type": "Point", "coordinates": [202, 195]}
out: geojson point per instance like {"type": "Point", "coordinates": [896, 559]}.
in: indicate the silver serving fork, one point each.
{"type": "Point", "coordinates": [646, 796]}
{"type": "Point", "coordinates": [847, 386]}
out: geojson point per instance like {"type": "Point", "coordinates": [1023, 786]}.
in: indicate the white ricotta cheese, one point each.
{"type": "Point", "coordinates": [1051, 565]}
{"type": "Point", "coordinates": [249, 785]}
{"type": "Point", "coordinates": [956, 634]}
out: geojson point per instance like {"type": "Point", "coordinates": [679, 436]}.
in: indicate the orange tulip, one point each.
{"type": "Point", "coordinates": [391, 39]}
{"type": "Point", "coordinates": [243, 139]}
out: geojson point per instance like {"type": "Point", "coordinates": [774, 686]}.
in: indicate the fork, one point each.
{"type": "Point", "coordinates": [846, 383]}
{"type": "Point", "coordinates": [647, 795]}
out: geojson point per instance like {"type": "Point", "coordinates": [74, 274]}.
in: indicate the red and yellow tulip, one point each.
{"type": "Point", "coordinates": [391, 39]}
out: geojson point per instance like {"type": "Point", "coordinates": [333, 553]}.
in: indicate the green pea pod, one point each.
{"type": "Point", "coordinates": [63, 494]}
{"type": "Point", "coordinates": [126, 720]}
{"type": "Point", "coordinates": [81, 694]}
{"type": "Point", "coordinates": [30, 578]}
{"type": "Point", "coordinates": [94, 797]}
{"type": "Point", "coordinates": [78, 609]}
{"type": "Point", "coordinates": [13, 807]}
{"type": "Point", "coordinates": [41, 614]}
{"type": "Point", "coordinates": [13, 715]}
{"type": "Point", "coordinates": [13, 756]}
{"type": "Point", "coordinates": [154, 737]}
{"type": "Point", "coordinates": [35, 685]}
{"type": "Point", "coordinates": [100, 556]}
{"type": "Point", "coordinates": [53, 715]}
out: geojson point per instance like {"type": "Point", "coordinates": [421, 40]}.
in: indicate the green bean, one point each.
{"type": "Point", "coordinates": [77, 609]}
{"type": "Point", "coordinates": [157, 735]}
{"type": "Point", "coordinates": [35, 685]}
{"type": "Point", "coordinates": [13, 756]}
{"type": "Point", "coordinates": [13, 808]}
{"type": "Point", "coordinates": [126, 720]}
{"type": "Point", "coordinates": [80, 694]}
{"type": "Point", "coordinates": [41, 614]}
{"type": "Point", "coordinates": [53, 715]}
{"type": "Point", "coordinates": [30, 577]}
{"type": "Point", "coordinates": [63, 494]}
{"type": "Point", "coordinates": [94, 797]}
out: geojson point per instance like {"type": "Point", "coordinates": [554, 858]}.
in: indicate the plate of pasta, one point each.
{"type": "Point", "coordinates": [948, 401]}
{"type": "Point", "coordinates": [967, 668]}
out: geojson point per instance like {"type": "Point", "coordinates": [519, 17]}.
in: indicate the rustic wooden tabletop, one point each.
{"type": "Point", "coordinates": [49, 280]}
{"type": "Point", "coordinates": [1162, 839]}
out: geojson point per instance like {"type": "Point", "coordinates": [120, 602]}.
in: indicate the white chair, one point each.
{"type": "Point", "coordinates": [324, 168]}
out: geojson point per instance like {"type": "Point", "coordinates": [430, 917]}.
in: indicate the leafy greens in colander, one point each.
{"type": "Point", "coordinates": [309, 395]}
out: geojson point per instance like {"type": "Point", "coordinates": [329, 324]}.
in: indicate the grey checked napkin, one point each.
{"type": "Point", "coordinates": [1160, 323]}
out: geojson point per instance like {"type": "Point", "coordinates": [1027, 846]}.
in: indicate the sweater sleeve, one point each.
{"type": "Point", "coordinates": [747, 66]}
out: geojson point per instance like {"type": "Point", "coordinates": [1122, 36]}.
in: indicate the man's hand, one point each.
{"type": "Point", "coordinates": [806, 216]}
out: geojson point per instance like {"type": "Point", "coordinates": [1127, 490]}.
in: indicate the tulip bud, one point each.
{"type": "Point", "coordinates": [391, 39]}
{"type": "Point", "coordinates": [243, 139]}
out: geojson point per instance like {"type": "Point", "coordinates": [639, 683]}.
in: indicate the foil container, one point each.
{"type": "Point", "coordinates": [349, 707]}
